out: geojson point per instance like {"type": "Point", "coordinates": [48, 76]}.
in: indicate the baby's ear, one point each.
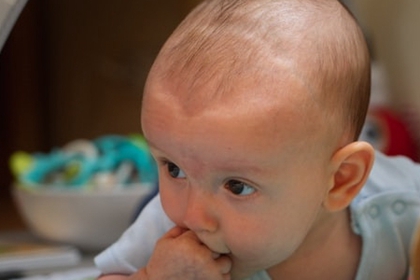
{"type": "Point", "coordinates": [351, 167]}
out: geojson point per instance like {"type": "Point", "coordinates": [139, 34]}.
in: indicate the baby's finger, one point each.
{"type": "Point", "coordinates": [225, 264]}
{"type": "Point", "coordinates": [190, 235]}
{"type": "Point", "coordinates": [174, 232]}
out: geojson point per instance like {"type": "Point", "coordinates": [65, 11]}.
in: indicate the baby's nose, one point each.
{"type": "Point", "coordinates": [199, 214]}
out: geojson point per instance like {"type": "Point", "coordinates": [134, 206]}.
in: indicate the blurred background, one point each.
{"type": "Point", "coordinates": [74, 69]}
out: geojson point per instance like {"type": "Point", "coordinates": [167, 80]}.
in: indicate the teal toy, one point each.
{"type": "Point", "coordinates": [116, 150]}
{"type": "Point", "coordinates": [79, 164]}
{"type": "Point", "coordinates": [61, 167]}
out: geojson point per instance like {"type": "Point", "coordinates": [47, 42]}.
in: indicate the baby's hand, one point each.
{"type": "Point", "coordinates": [179, 254]}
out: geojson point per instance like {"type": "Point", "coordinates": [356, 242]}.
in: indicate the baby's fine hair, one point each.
{"type": "Point", "coordinates": [319, 39]}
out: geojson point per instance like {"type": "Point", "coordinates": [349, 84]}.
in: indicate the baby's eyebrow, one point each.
{"type": "Point", "coordinates": [150, 143]}
{"type": "Point", "coordinates": [153, 148]}
{"type": "Point", "coordinates": [239, 163]}
{"type": "Point", "coordinates": [240, 166]}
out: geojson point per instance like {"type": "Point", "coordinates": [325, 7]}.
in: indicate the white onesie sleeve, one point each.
{"type": "Point", "coordinates": [135, 246]}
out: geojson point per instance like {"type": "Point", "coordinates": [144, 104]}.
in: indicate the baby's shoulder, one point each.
{"type": "Point", "coordinates": [390, 197]}
{"type": "Point", "coordinates": [385, 214]}
{"type": "Point", "coordinates": [392, 174]}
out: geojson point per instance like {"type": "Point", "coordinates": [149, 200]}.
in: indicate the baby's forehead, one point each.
{"type": "Point", "coordinates": [215, 80]}
{"type": "Point", "coordinates": [238, 96]}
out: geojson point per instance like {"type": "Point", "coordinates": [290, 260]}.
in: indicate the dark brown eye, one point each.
{"type": "Point", "coordinates": [239, 188]}
{"type": "Point", "coordinates": [174, 171]}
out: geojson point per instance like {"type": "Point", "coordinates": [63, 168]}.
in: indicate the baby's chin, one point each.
{"type": "Point", "coordinates": [240, 274]}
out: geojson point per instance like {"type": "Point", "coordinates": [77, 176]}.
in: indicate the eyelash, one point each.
{"type": "Point", "coordinates": [231, 185]}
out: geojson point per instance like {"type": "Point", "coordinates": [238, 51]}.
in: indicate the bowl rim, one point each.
{"type": "Point", "coordinates": [44, 190]}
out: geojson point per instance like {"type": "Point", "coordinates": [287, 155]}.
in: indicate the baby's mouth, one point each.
{"type": "Point", "coordinates": [217, 250]}
{"type": "Point", "coordinates": [215, 255]}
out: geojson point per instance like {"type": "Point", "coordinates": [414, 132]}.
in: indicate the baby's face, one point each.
{"type": "Point", "coordinates": [246, 173]}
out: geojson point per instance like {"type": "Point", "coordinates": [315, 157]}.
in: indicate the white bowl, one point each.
{"type": "Point", "coordinates": [90, 220]}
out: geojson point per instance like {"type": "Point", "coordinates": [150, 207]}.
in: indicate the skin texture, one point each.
{"type": "Point", "coordinates": [257, 166]}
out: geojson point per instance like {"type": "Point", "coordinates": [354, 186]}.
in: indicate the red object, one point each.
{"type": "Point", "coordinates": [388, 133]}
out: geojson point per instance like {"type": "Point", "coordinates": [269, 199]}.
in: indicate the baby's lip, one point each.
{"type": "Point", "coordinates": [218, 255]}
{"type": "Point", "coordinates": [214, 242]}
{"type": "Point", "coordinates": [215, 255]}
{"type": "Point", "coordinates": [217, 250]}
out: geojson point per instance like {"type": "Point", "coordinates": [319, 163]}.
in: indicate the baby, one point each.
{"type": "Point", "coordinates": [252, 110]}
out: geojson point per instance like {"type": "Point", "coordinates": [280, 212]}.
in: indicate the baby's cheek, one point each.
{"type": "Point", "coordinates": [173, 209]}
{"type": "Point", "coordinates": [261, 248]}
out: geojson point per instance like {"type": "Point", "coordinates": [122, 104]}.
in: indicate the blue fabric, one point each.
{"type": "Point", "coordinates": [144, 202]}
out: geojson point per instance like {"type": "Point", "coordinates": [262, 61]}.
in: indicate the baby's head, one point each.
{"type": "Point", "coordinates": [231, 44]}
{"type": "Point", "coordinates": [251, 110]}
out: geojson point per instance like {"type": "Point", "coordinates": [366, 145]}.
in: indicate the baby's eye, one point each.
{"type": "Point", "coordinates": [239, 188]}
{"type": "Point", "coordinates": [175, 171]}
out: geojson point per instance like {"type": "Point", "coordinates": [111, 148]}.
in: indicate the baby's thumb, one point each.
{"type": "Point", "coordinates": [174, 232]}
